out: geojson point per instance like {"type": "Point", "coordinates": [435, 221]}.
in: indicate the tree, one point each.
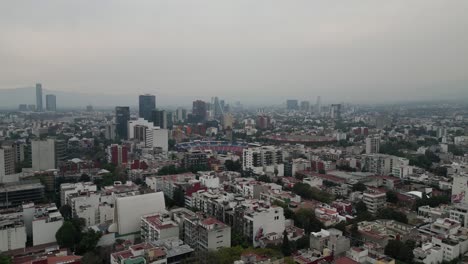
{"type": "Point", "coordinates": [264, 178]}
{"type": "Point", "coordinates": [360, 207]}
{"type": "Point", "coordinates": [400, 251]}
{"type": "Point", "coordinates": [5, 259]}
{"type": "Point", "coordinates": [67, 235]}
{"type": "Point", "coordinates": [179, 197]}
{"type": "Point", "coordinates": [286, 246]}
{"type": "Point", "coordinates": [359, 187]}
{"type": "Point", "coordinates": [392, 197]}
{"type": "Point", "coordinates": [305, 218]}
{"type": "Point", "coordinates": [388, 213]}
{"type": "Point", "coordinates": [233, 165]}
{"type": "Point", "coordinates": [66, 211]}
{"type": "Point", "coordinates": [89, 240]}
{"type": "Point", "coordinates": [84, 178]}
{"type": "Point", "coordinates": [91, 258]}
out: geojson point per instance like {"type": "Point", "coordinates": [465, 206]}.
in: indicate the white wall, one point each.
{"type": "Point", "coordinates": [43, 154]}
{"type": "Point", "coordinates": [12, 238]}
{"type": "Point", "coordinates": [43, 232]}
{"type": "Point", "coordinates": [130, 209]}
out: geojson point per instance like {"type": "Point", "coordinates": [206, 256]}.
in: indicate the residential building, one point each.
{"type": "Point", "coordinates": [16, 193]}
{"type": "Point", "coordinates": [372, 145]}
{"type": "Point", "coordinates": [259, 221]}
{"type": "Point", "coordinates": [374, 200]}
{"type": "Point", "coordinates": [263, 160]}
{"type": "Point", "coordinates": [117, 154]}
{"type": "Point", "coordinates": [12, 231]}
{"type": "Point", "coordinates": [194, 158]}
{"type": "Point", "coordinates": [47, 221]}
{"type": "Point", "coordinates": [43, 154]}
{"type": "Point", "coordinates": [158, 226]}
{"type": "Point", "coordinates": [7, 163]}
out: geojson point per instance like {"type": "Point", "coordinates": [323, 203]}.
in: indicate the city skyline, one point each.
{"type": "Point", "coordinates": [351, 52]}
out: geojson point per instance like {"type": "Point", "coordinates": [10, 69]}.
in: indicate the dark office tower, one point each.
{"type": "Point", "coordinates": [122, 116]}
{"type": "Point", "coordinates": [39, 97]}
{"type": "Point", "coordinates": [159, 118]}
{"type": "Point", "coordinates": [51, 102]}
{"type": "Point", "coordinates": [292, 105]}
{"type": "Point", "coordinates": [147, 103]}
{"type": "Point", "coordinates": [199, 111]}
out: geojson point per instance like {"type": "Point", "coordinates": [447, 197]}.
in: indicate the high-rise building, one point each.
{"type": "Point", "coordinates": [264, 159]}
{"type": "Point", "coordinates": [51, 102]}
{"type": "Point", "coordinates": [318, 106]}
{"type": "Point", "coordinates": [7, 162]}
{"type": "Point", "coordinates": [218, 107]}
{"type": "Point", "coordinates": [199, 111]}
{"type": "Point", "coordinates": [122, 116]}
{"type": "Point", "coordinates": [147, 103]}
{"type": "Point", "coordinates": [23, 107]}
{"type": "Point", "coordinates": [372, 145]}
{"type": "Point", "coordinates": [292, 105]}
{"type": "Point", "coordinates": [39, 97]}
{"type": "Point", "coordinates": [43, 155]}
{"type": "Point", "coordinates": [181, 114]}
{"type": "Point", "coordinates": [117, 154]}
{"type": "Point", "coordinates": [335, 111]}
{"type": "Point", "coordinates": [159, 118]}
{"type": "Point", "coordinates": [305, 106]}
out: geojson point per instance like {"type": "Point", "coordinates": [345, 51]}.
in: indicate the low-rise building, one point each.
{"type": "Point", "coordinates": [158, 226]}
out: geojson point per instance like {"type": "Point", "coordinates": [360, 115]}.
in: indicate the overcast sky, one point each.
{"type": "Point", "coordinates": [342, 50]}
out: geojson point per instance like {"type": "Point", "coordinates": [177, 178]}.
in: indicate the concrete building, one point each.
{"type": "Point", "coordinates": [260, 221]}
{"type": "Point", "coordinates": [372, 145]}
{"type": "Point", "coordinates": [39, 107]}
{"type": "Point", "coordinates": [12, 231]}
{"type": "Point", "coordinates": [43, 154]}
{"type": "Point", "coordinates": [122, 116]}
{"type": "Point", "coordinates": [305, 106]}
{"type": "Point", "coordinates": [335, 111]}
{"type": "Point", "coordinates": [109, 131]}
{"type": "Point", "coordinates": [263, 160]}
{"type": "Point", "coordinates": [460, 189]}
{"type": "Point", "coordinates": [459, 212]}
{"type": "Point", "coordinates": [382, 164]}
{"type": "Point", "coordinates": [7, 163]}
{"type": "Point", "coordinates": [67, 189]}
{"type": "Point", "coordinates": [159, 118]}
{"type": "Point", "coordinates": [130, 209]}
{"type": "Point", "coordinates": [195, 158]}
{"type": "Point", "coordinates": [117, 154]}
{"type": "Point", "coordinates": [157, 138]}
{"type": "Point", "coordinates": [51, 102]}
{"type": "Point", "coordinates": [205, 233]}
{"type": "Point", "coordinates": [158, 226]}
{"type": "Point", "coordinates": [374, 200]}
{"type": "Point", "coordinates": [331, 240]}
{"type": "Point", "coordinates": [47, 221]}
{"type": "Point", "coordinates": [146, 103]}
{"type": "Point", "coordinates": [17, 193]}
{"type": "Point", "coordinates": [228, 121]}
{"type": "Point", "coordinates": [292, 105]}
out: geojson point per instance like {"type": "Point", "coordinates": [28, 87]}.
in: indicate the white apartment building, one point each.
{"type": "Point", "coordinates": [382, 164]}
{"type": "Point", "coordinates": [459, 213]}
{"type": "Point", "coordinates": [372, 145]}
{"type": "Point", "coordinates": [43, 154]}
{"type": "Point", "coordinates": [209, 181]}
{"type": "Point", "coordinates": [12, 231]}
{"type": "Point", "coordinates": [7, 163]}
{"type": "Point", "coordinates": [213, 234]}
{"type": "Point", "coordinates": [460, 189]}
{"type": "Point", "coordinates": [154, 135]}
{"type": "Point", "coordinates": [46, 223]}
{"type": "Point", "coordinates": [374, 200]}
{"type": "Point", "coordinates": [263, 159]}
{"type": "Point", "coordinates": [158, 226]}
{"type": "Point", "coordinates": [260, 221]}
{"type": "Point", "coordinates": [130, 209]}
{"type": "Point", "coordinates": [299, 165]}
{"type": "Point", "coordinates": [67, 189]}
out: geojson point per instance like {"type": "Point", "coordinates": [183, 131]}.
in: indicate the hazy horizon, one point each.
{"type": "Point", "coordinates": [355, 51]}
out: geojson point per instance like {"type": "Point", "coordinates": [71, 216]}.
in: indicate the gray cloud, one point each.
{"type": "Point", "coordinates": [341, 50]}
